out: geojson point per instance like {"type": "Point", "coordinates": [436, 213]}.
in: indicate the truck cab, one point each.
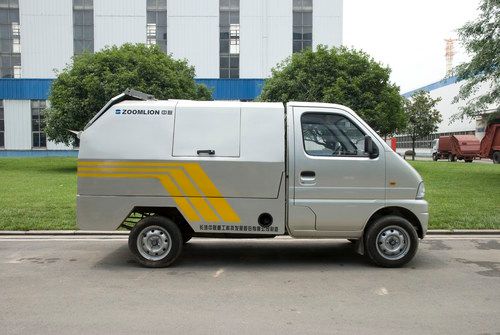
{"type": "Point", "coordinates": [171, 170]}
{"type": "Point", "coordinates": [434, 149]}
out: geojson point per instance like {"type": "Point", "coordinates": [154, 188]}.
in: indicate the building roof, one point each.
{"type": "Point", "coordinates": [433, 86]}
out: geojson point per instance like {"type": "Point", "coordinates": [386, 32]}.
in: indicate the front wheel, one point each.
{"type": "Point", "coordinates": [496, 157]}
{"type": "Point", "coordinates": [391, 241]}
{"type": "Point", "coordinates": [434, 157]}
{"type": "Point", "coordinates": [155, 241]}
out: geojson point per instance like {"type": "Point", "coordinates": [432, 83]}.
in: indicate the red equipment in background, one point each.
{"type": "Point", "coordinates": [443, 148]}
{"type": "Point", "coordinates": [464, 147]}
{"type": "Point", "coordinates": [391, 141]}
{"type": "Point", "coordinates": [490, 144]}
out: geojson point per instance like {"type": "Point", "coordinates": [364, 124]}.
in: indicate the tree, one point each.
{"type": "Point", "coordinates": [481, 39]}
{"type": "Point", "coordinates": [343, 76]}
{"type": "Point", "coordinates": [423, 117]}
{"type": "Point", "coordinates": [84, 87]}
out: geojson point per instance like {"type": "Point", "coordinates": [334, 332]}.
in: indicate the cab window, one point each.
{"type": "Point", "coordinates": [326, 134]}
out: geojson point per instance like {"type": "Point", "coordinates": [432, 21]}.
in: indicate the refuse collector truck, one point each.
{"type": "Point", "coordinates": [173, 169]}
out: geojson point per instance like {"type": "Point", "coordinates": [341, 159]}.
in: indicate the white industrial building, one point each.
{"type": "Point", "coordinates": [447, 89]}
{"type": "Point", "coordinates": [233, 44]}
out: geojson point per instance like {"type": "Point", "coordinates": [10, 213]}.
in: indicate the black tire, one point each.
{"type": "Point", "coordinates": [452, 158]}
{"type": "Point", "coordinates": [434, 157]}
{"type": "Point", "coordinates": [496, 157]}
{"type": "Point", "coordinates": [159, 227]}
{"type": "Point", "coordinates": [396, 228]}
{"type": "Point", "coordinates": [468, 160]}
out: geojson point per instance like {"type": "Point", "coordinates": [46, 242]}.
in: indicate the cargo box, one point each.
{"type": "Point", "coordinates": [464, 147]}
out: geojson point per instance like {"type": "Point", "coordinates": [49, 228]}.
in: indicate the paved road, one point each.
{"type": "Point", "coordinates": [280, 286]}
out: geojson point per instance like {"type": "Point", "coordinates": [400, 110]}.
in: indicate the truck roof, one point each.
{"type": "Point", "coordinates": [197, 103]}
{"type": "Point", "coordinates": [315, 104]}
{"type": "Point", "coordinates": [132, 97]}
{"type": "Point", "coordinates": [228, 103]}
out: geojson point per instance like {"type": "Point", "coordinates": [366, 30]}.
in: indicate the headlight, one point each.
{"type": "Point", "coordinates": [420, 191]}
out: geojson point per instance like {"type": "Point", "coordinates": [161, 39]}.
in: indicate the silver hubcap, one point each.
{"type": "Point", "coordinates": [154, 243]}
{"type": "Point", "coordinates": [393, 242]}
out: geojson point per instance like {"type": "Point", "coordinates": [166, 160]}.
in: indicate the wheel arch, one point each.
{"type": "Point", "coordinates": [139, 212]}
{"type": "Point", "coordinates": [398, 211]}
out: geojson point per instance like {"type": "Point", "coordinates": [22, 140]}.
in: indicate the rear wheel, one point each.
{"type": "Point", "coordinates": [155, 241]}
{"type": "Point", "coordinates": [496, 157]}
{"type": "Point", "coordinates": [452, 158]}
{"type": "Point", "coordinates": [391, 241]}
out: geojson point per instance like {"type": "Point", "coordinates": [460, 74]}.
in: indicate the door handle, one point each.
{"type": "Point", "coordinates": [308, 175]}
{"type": "Point", "coordinates": [209, 151]}
{"type": "Point", "coordinates": [308, 178]}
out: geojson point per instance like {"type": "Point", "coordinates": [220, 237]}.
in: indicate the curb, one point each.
{"type": "Point", "coordinates": [463, 232]}
{"type": "Point", "coordinates": [63, 233]}
{"type": "Point", "coordinates": [124, 233]}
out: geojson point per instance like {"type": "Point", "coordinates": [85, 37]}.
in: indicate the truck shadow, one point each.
{"type": "Point", "coordinates": [288, 255]}
{"type": "Point", "coordinates": [248, 254]}
{"type": "Point", "coordinates": [269, 254]}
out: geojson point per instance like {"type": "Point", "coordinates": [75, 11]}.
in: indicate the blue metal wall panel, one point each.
{"type": "Point", "coordinates": [222, 89]}
{"type": "Point", "coordinates": [24, 89]}
{"type": "Point", "coordinates": [233, 89]}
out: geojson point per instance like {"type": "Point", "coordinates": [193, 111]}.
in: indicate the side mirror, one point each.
{"type": "Point", "coordinates": [370, 148]}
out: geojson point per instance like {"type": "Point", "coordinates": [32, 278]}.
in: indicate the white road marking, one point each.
{"type": "Point", "coordinates": [381, 291]}
{"type": "Point", "coordinates": [218, 273]}
{"type": "Point", "coordinates": [13, 261]}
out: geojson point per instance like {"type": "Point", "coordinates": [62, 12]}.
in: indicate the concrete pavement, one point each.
{"type": "Point", "coordinates": [92, 285]}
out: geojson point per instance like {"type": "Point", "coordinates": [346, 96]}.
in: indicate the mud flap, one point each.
{"type": "Point", "coordinates": [360, 246]}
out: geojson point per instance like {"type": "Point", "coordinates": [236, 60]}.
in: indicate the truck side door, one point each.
{"type": "Point", "coordinates": [332, 175]}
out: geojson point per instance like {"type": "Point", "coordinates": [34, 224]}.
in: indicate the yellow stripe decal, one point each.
{"type": "Point", "coordinates": [182, 202]}
{"type": "Point", "coordinates": [224, 209]}
{"type": "Point", "coordinates": [186, 194]}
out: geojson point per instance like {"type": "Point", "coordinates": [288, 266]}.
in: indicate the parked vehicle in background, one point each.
{"type": "Point", "coordinates": [441, 148]}
{"type": "Point", "coordinates": [464, 147]}
{"type": "Point", "coordinates": [490, 144]}
{"type": "Point", "coordinates": [170, 170]}
{"type": "Point", "coordinates": [392, 142]}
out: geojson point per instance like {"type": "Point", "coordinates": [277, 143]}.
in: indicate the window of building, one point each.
{"type": "Point", "coordinates": [156, 27]}
{"type": "Point", "coordinates": [229, 39]}
{"type": "Point", "coordinates": [10, 39]}
{"type": "Point", "coordinates": [331, 135]}
{"type": "Point", "coordinates": [83, 26]}
{"type": "Point", "coordinates": [37, 123]}
{"type": "Point", "coordinates": [2, 125]}
{"type": "Point", "coordinates": [302, 24]}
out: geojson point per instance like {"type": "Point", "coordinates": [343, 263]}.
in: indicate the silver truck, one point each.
{"type": "Point", "coordinates": [173, 169]}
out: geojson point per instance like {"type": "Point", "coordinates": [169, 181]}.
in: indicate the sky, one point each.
{"type": "Point", "coordinates": [408, 35]}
